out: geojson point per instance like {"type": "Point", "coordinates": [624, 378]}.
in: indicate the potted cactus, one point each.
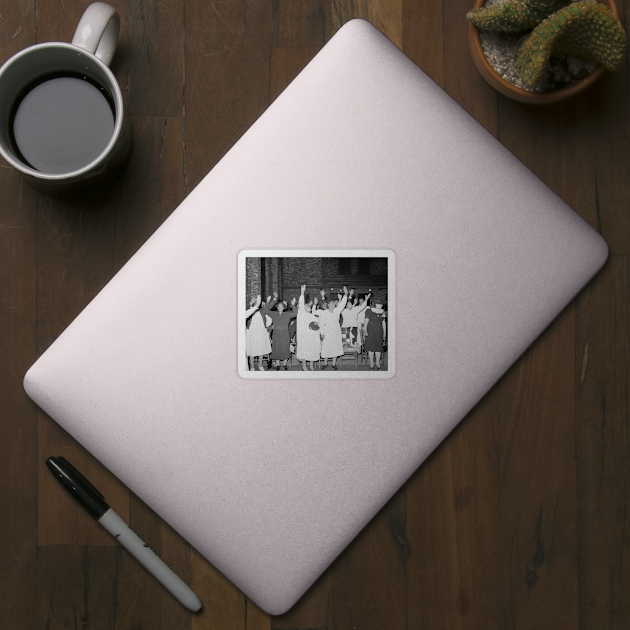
{"type": "Point", "coordinates": [554, 49]}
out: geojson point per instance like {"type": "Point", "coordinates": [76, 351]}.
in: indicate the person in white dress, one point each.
{"type": "Point", "coordinates": [332, 344]}
{"type": "Point", "coordinates": [350, 316]}
{"type": "Point", "coordinates": [308, 333]}
{"type": "Point", "coordinates": [257, 342]}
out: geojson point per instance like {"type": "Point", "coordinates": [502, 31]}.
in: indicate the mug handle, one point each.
{"type": "Point", "coordinates": [98, 30]}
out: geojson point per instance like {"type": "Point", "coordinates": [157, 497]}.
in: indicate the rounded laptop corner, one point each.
{"type": "Point", "coordinates": [603, 251]}
{"type": "Point", "coordinates": [28, 382]}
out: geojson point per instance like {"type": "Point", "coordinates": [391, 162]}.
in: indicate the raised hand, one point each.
{"type": "Point", "coordinates": [303, 288]}
{"type": "Point", "coordinates": [268, 298]}
{"type": "Point", "coordinates": [293, 301]}
{"type": "Point", "coordinates": [258, 300]}
{"type": "Point", "coordinates": [345, 290]}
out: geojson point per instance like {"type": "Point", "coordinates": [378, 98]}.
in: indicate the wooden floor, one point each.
{"type": "Point", "coordinates": [518, 520]}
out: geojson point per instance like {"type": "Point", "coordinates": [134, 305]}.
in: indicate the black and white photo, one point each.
{"type": "Point", "coordinates": [316, 314]}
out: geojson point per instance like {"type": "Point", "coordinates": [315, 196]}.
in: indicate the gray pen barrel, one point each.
{"type": "Point", "coordinates": [149, 559]}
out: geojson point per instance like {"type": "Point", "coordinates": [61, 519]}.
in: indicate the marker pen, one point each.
{"type": "Point", "coordinates": [94, 502]}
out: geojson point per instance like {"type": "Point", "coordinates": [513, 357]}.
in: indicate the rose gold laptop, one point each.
{"type": "Point", "coordinates": [362, 157]}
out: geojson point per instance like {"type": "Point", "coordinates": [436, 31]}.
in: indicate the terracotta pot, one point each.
{"type": "Point", "coordinates": [512, 91]}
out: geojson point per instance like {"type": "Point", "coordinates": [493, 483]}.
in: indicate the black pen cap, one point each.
{"type": "Point", "coordinates": [78, 486]}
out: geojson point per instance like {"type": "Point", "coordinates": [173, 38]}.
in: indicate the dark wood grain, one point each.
{"type": "Point", "coordinates": [18, 417]}
{"type": "Point", "coordinates": [76, 587]}
{"type": "Point", "coordinates": [386, 15]}
{"type": "Point", "coordinates": [154, 57]}
{"type": "Point", "coordinates": [422, 36]}
{"type": "Point", "coordinates": [602, 381]}
{"type": "Point", "coordinates": [226, 78]}
{"type": "Point", "coordinates": [461, 79]}
{"type": "Point", "coordinates": [300, 22]}
{"type": "Point", "coordinates": [518, 520]}
{"type": "Point", "coordinates": [369, 577]}
{"type": "Point", "coordinates": [452, 527]}
{"type": "Point", "coordinates": [537, 543]}
{"type": "Point", "coordinates": [18, 324]}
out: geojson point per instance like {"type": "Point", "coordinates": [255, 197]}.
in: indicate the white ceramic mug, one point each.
{"type": "Point", "coordinates": [87, 57]}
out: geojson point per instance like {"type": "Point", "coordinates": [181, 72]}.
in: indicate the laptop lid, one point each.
{"type": "Point", "coordinates": [271, 476]}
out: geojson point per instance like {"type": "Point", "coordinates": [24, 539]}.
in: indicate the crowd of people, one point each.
{"type": "Point", "coordinates": [314, 329]}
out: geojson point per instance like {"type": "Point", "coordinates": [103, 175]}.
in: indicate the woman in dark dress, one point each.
{"type": "Point", "coordinates": [281, 349]}
{"type": "Point", "coordinates": [375, 332]}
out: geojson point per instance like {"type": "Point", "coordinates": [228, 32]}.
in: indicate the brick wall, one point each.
{"type": "Point", "coordinates": [299, 271]}
{"type": "Point", "coordinates": [378, 266]}
{"type": "Point", "coordinates": [252, 279]}
{"type": "Point", "coordinates": [286, 275]}
{"type": "Point", "coordinates": [272, 276]}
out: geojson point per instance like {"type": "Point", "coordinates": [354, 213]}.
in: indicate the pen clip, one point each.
{"type": "Point", "coordinates": [65, 463]}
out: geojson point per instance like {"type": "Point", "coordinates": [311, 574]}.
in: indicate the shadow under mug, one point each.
{"type": "Point", "coordinates": [87, 57]}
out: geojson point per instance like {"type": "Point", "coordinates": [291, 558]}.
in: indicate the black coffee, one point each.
{"type": "Point", "coordinates": [62, 123]}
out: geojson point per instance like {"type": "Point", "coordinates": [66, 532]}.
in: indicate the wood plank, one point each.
{"type": "Point", "coordinates": [558, 148]}
{"type": "Point", "coordinates": [369, 587]}
{"type": "Point", "coordinates": [386, 15]}
{"type": "Point", "coordinates": [300, 22]}
{"type": "Point", "coordinates": [152, 185]}
{"type": "Point", "coordinates": [17, 28]}
{"type": "Point", "coordinates": [154, 57]}
{"type": "Point", "coordinates": [18, 415]}
{"type": "Point", "coordinates": [76, 587]}
{"type": "Point", "coordinates": [602, 382]}
{"type": "Point", "coordinates": [608, 127]}
{"type": "Point", "coordinates": [537, 537]}
{"type": "Point", "coordinates": [224, 606]}
{"type": "Point", "coordinates": [18, 420]}
{"type": "Point", "coordinates": [461, 78]}
{"type": "Point", "coordinates": [576, 147]}
{"type": "Point", "coordinates": [255, 618]}
{"type": "Point", "coordinates": [226, 78]}
{"type": "Point", "coordinates": [423, 36]}
{"type": "Point", "coordinates": [452, 527]}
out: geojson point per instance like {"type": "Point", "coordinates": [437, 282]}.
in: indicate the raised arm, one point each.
{"type": "Point", "coordinates": [363, 306]}
{"type": "Point", "coordinates": [271, 302]}
{"type": "Point", "coordinates": [250, 311]}
{"type": "Point", "coordinates": [294, 311]}
{"type": "Point", "coordinates": [301, 302]}
{"type": "Point", "coordinates": [342, 303]}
